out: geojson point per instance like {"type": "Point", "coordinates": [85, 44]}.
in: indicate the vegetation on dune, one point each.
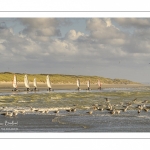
{"type": "Point", "coordinates": [62, 79]}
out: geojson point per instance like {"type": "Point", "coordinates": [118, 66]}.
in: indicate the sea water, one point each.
{"type": "Point", "coordinates": [35, 119]}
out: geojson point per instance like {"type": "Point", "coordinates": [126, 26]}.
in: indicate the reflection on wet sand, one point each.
{"type": "Point", "coordinates": [84, 107]}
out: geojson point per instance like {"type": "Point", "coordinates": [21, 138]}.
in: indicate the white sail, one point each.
{"type": "Point", "coordinates": [99, 83]}
{"type": "Point", "coordinates": [48, 81]}
{"type": "Point", "coordinates": [88, 83]}
{"type": "Point", "coordinates": [26, 82]}
{"type": "Point", "coordinates": [78, 83]}
{"type": "Point", "coordinates": [15, 81]}
{"type": "Point", "coordinates": [34, 83]}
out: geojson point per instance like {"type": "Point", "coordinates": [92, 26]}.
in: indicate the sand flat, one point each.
{"type": "Point", "coordinates": [41, 85]}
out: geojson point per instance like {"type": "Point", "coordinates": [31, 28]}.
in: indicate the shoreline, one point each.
{"type": "Point", "coordinates": [41, 85]}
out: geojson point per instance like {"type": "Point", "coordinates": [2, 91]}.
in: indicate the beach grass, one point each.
{"type": "Point", "coordinates": [62, 78]}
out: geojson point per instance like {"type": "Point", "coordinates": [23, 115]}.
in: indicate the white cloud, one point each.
{"type": "Point", "coordinates": [40, 46]}
{"type": "Point", "coordinates": [73, 35]}
{"type": "Point", "coordinates": [2, 48]}
{"type": "Point", "coordinates": [2, 41]}
{"type": "Point", "coordinates": [108, 22]}
{"type": "Point", "coordinates": [104, 39]}
{"type": "Point", "coordinates": [37, 27]}
{"type": "Point", "coordinates": [62, 47]}
{"type": "Point", "coordinates": [133, 22]}
{"type": "Point", "coordinates": [39, 22]}
{"type": "Point", "coordinates": [103, 30]}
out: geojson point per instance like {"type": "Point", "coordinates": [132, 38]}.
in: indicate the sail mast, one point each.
{"type": "Point", "coordinates": [48, 81]}
{"type": "Point", "coordinates": [15, 82]}
{"type": "Point", "coordinates": [78, 83]}
{"type": "Point", "coordinates": [26, 82]}
{"type": "Point", "coordinates": [99, 84]}
{"type": "Point", "coordinates": [34, 83]}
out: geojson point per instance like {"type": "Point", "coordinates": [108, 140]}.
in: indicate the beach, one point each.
{"type": "Point", "coordinates": [68, 110]}
{"type": "Point", "coordinates": [41, 85]}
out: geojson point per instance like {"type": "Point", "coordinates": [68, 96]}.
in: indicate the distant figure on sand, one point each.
{"type": "Point", "coordinates": [48, 83]}
{"type": "Point", "coordinates": [78, 84]}
{"type": "Point", "coordinates": [99, 84]}
{"type": "Point", "coordinates": [15, 83]}
{"type": "Point", "coordinates": [26, 82]}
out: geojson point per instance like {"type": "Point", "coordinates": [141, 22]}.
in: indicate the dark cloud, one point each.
{"type": "Point", "coordinates": [40, 46]}
{"type": "Point", "coordinates": [133, 22]}
{"type": "Point", "coordinates": [40, 28]}
{"type": "Point", "coordinates": [3, 25]}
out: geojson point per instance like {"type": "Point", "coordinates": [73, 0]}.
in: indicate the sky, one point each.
{"type": "Point", "coordinates": [106, 47]}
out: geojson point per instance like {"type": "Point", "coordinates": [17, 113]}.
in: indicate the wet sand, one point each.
{"type": "Point", "coordinates": [8, 86]}
{"type": "Point", "coordinates": [101, 122]}
{"type": "Point", "coordinates": [79, 120]}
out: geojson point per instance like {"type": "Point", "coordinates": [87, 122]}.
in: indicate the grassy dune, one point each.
{"type": "Point", "coordinates": [62, 79]}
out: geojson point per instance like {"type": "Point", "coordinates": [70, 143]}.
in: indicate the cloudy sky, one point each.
{"type": "Point", "coordinates": [107, 47]}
